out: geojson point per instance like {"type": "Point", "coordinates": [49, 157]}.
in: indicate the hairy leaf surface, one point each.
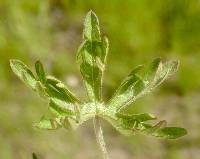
{"type": "Point", "coordinates": [40, 71]}
{"type": "Point", "coordinates": [92, 57]}
{"type": "Point", "coordinates": [24, 73]}
{"type": "Point", "coordinates": [137, 85]}
{"type": "Point", "coordinates": [67, 111]}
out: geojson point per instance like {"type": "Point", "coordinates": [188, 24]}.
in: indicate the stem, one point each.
{"type": "Point", "coordinates": [99, 137]}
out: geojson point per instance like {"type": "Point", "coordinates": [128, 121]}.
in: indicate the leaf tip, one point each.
{"type": "Point", "coordinates": [158, 59]}
{"type": "Point", "coordinates": [171, 132]}
{"type": "Point", "coordinates": [37, 62]}
{"type": "Point", "coordinates": [91, 27]}
{"type": "Point", "coordinates": [90, 13]}
{"type": "Point", "coordinates": [12, 62]}
{"type": "Point", "coordinates": [174, 66]}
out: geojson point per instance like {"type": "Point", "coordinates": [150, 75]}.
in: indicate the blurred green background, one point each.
{"type": "Point", "coordinates": [138, 30]}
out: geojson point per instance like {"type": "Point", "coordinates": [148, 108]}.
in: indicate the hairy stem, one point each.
{"type": "Point", "coordinates": [99, 137]}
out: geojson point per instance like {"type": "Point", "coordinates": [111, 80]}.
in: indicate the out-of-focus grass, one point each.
{"type": "Point", "coordinates": [50, 30]}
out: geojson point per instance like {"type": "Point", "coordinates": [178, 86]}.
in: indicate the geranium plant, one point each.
{"type": "Point", "coordinates": [69, 112]}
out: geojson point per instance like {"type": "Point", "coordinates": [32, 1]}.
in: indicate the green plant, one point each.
{"type": "Point", "coordinates": [34, 156]}
{"type": "Point", "coordinates": [69, 112]}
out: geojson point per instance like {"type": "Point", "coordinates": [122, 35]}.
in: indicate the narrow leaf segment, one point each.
{"type": "Point", "coordinates": [92, 57]}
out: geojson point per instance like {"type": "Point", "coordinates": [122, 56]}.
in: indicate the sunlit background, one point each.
{"type": "Point", "coordinates": [138, 30]}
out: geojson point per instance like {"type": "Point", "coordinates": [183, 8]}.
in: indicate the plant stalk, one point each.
{"type": "Point", "coordinates": [99, 137]}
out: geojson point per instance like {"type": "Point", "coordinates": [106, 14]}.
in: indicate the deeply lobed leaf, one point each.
{"type": "Point", "coordinates": [137, 85]}
{"type": "Point", "coordinates": [66, 111]}
{"type": "Point", "coordinates": [130, 124]}
{"type": "Point", "coordinates": [92, 57]}
{"type": "Point", "coordinates": [62, 101]}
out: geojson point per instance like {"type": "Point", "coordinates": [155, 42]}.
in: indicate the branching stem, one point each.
{"type": "Point", "coordinates": [99, 137]}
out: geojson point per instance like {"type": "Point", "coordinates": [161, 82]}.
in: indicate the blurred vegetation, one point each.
{"type": "Point", "coordinates": [50, 30]}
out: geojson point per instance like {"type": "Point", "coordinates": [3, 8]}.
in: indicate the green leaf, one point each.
{"type": "Point", "coordinates": [48, 124]}
{"type": "Point", "coordinates": [137, 85]}
{"type": "Point", "coordinates": [132, 122]}
{"type": "Point", "coordinates": [149, 129]}
{"type": "Point", "coordinates": [128, 89]}
{"type": "Point", "coordinates": [56, 89]}
{"type": "Point", "coordinates": [170, 132]}
{"type": "Point", "coordinates": [92, 57]}
{"type": "Point", "coordinates": [24, 73]}
{"type": "Point", "coordinates": [159, 130]}
{"type": "Point", "coordinates": [91, 30]}
{"type": "Point", "coordinates": [34, 156]}
{"type": "Point", "coordinates": [60, 95]}
{"type": "Point", "coordinates": [40, 71]}
{"type": "Point", "coordinates": [41, 89]}
{"type": "Point", "coordinates": [153, 68]}
{"type": "Point", "coordinates": [138, 117]}
{"type": "Point", "coordinates": [59, 110]}
{"type": "Point", "coordinates": [105, 49]}
{"type": "Point", "coordinates": [54, 123]}
{"type": "Point", "coordinates": [163, 71]}
{"type": "Point", "coordinates": [66, 111]}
